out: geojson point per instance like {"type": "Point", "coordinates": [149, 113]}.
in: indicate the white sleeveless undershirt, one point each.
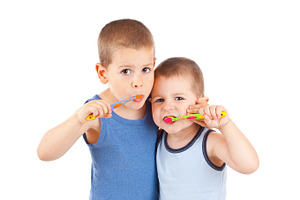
{"type": "Point", "coordinates": [187, 173]}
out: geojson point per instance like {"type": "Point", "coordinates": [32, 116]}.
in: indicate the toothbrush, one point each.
{"type": "Point", "coordinates": [116, 105]}
{"type": "Point", "coordinates": [191, 116]}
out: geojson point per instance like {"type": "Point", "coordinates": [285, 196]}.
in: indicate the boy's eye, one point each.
{"type": "Point", "coordinates": [125, 71]}
{"type": "Point", "coordinates": [178, 98]}
{"type": "Point", "coordinates": [159, 100]}
{"type": "Point", "coordinates": [146, 69]}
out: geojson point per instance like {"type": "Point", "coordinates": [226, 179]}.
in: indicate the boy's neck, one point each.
{"type": "Point", "coordinates": [123, 111]}
{"type": "Point", "coordinates": [182, 138]}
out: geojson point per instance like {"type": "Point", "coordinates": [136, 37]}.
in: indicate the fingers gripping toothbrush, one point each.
{"type": "Point", "coordinates": [116, 105]}
{"type": "Point", "coordinates": [186, 117]}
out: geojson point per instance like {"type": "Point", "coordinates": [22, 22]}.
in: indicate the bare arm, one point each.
{"type": "Point", "coordinates": [58, 140]}
{"type": "Point", "coordinates": [231, 147]}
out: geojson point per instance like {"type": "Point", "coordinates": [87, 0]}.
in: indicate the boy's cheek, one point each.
{"type": "Point", "coordinates": [156, 120]}
{"type": "Point", "coordinates": [155, 114]}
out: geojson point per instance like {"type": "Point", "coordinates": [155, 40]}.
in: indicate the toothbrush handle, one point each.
{"type": "Point", "coordinates": [120, 103]}
{"type": "Point", "coordinates": [117, 104]}
{"type": "Point", "coordinates": [90, 117]}
{"type": "Point", "coordinates": [113, 106]}
{"type": "Point", "coordinates": [199, 116]}
{"type": "Point", "coordinates": [194, 116]}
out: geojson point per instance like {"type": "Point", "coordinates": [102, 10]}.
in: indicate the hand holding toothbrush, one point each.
{"type": "Point", "coordinates": [199, 109]}
{"type": "Point", "coordinates": [93, 109]}
{"type": "Point", "coordinates": [105, 110]}
{"type": "Point", "coordinates": [193, 112]}
{"type": "Point", "coordinates": [214, 116]}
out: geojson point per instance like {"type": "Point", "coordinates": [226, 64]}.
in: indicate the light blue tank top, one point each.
{"type": "Point", "coordinates": [187, 173]}
{"type": "Point", "coordinates": [123, 159]}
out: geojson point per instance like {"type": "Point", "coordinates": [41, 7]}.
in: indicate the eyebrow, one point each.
{"type": "Point", "coordinates": [131, 66]}
{"type": "Point", "coordinates": [179, 94]}
{"type": "Point", "coordinates": [162, 96]}
{"type": "Point", "coordinates": [125, 66]}
{"type": "Point", "coordinates": [147, 64]}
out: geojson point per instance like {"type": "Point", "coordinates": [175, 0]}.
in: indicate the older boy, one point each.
{"type": "Point", "coordinates": [122, 141]}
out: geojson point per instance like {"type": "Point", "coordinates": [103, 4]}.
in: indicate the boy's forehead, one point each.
{"type": "Point", "coordinates": [174, 78]}
{"type": "Point", "coordinates": [129, 56]}
{"type": "Point", "coordinates": [173, 84]}
{"type": "Point", "coordinates": [128, 50]}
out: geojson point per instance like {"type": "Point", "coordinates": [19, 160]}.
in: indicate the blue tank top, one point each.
{"type": "Point", "coordinates": [187, 173]}
{"type": "Point", "coordinates": [123, 159]}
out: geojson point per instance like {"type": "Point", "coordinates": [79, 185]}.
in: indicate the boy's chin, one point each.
{"type": "Point", "coordinates": [137, 106]}
{"type": "Point", "coordinates": [176, 128]}
{"type": "Point", "coordinates": [171, 130]}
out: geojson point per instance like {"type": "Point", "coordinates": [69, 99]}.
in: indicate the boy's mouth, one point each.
{"type": "Point", "coordinates": [139, 98]}
{"type": "Point", "coordinates": [167, 119]}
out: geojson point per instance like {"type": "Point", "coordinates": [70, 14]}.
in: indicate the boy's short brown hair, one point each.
{"type": "Point", "coordinates": [126, 33]}
{"type": "Point", "coordinates": [179, 66]}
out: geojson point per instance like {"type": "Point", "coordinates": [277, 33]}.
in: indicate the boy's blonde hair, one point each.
{"type": "Point", "coordinates": [126, 33]}
{"type": "Point", "coordinates": [182, 67]}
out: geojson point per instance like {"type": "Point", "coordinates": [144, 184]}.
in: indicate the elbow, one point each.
{"type": "Point", "coordinates": [247, 165]}
{"type": "Point", "coordinates": [42, 155]}
{"type": "Point", "coordinates": [251, 167]}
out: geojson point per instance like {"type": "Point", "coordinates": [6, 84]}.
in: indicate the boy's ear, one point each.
{"type": "Point", "coordinates": [102, 73]}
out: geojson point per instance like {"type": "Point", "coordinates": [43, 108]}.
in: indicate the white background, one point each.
{"type": "Point", "coordinates": [248, 51]}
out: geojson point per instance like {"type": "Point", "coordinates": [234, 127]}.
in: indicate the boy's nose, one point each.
{"type": "Point", "coordinates": [137, 81]}
{"type": "Point", "coordinates": [168, 106]}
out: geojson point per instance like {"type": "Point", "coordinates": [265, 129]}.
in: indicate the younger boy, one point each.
{"type": "Point", "coordinates": [121, 141]}
{"type": "Point", "coordinates": [191, 158]}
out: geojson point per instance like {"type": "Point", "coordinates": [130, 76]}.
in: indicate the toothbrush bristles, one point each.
{"type": "Point", "coordinates": [138, 96]}
{"type": "Point", "coordinates": [168, 120]}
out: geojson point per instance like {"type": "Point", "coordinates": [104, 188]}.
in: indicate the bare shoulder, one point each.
{"type": "Point", "coordinates": [214, 138]}
{"type": "Point", "coordinates": [215, 141]}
